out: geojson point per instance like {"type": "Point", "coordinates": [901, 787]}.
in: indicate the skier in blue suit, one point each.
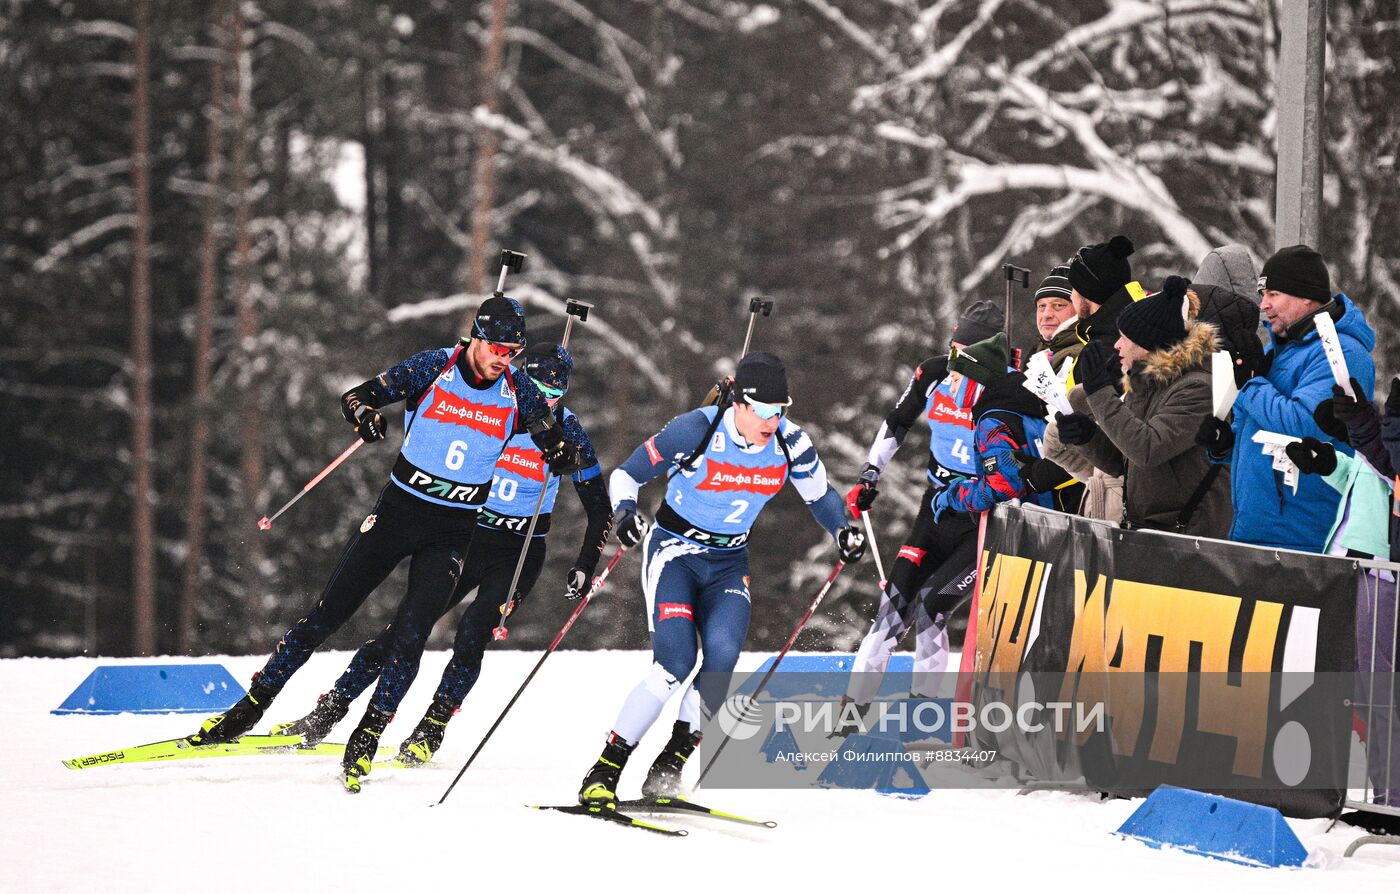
{"type": "Point", "coordinates": [725, 464]}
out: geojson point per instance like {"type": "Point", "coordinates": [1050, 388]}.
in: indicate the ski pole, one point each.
{"type": "Point", "coordinates": [500, 632]}
{"type": "Point", "coordinates": [573, 309]}
{"type": "Point", "coordinates": [874, 549]}
{"type": "Point", "coordinates": [265, 523]}
{"type": "Point", "coordinates": [593, 590]}
{"type": "Point", "coordinates": [830, 579]}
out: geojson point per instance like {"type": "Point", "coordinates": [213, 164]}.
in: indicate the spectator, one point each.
{"type": "Point", "coordinates": [1055, 317]}
{"type": "Point", "coordinates": [1148, 436]}
{"type": "Point", "coordinates": [1366, 527]}
{"type": "Point", "coordinates": [1227, 285]}
{"type": "Point", "coordinates": [1101, 284]}
{"type": "Point", "coordinates": [1055, 320]}
{"type": "Point", "coordinates": [1295, 288]}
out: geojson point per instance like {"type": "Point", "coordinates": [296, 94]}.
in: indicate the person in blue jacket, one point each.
{"type": "Point", "coordinates": [464, 405]}
{"type": "Point", "coordinates": [490, 567]}
{"type": "Point", "coordinates": [1282, 397]}
{"type": "Point", "coordinates": [723, 465]}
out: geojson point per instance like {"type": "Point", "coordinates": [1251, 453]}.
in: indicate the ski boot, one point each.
{"type": "Point", "coordinates": [236, 721]}
{"type": "Point", "coordinates": [361, 746]}
{"type": "Point", "coordinates": [664, 778]}
{"type": "Point", "coordinates": [599, 787]}
{"type": "Point", "coordinates": [426, 738]}
{"type": "Point", "coordinates": [330, 709]}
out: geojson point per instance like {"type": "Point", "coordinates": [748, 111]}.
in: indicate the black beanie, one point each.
{"type": "Point", "coordinates": [1297, 270]}
{"type": "Point", "coordinates": [1097, 271]}
{"type": "Point", "coordinates": [1159, 320]}
{"type": "Point", "coordinates": [502, 319]}
{"type": "Point", "coordinates": [1055, 285]}
{"type": "Point", "coordinates": [760, 376]}
{"type": "Point", "coordinates": [979, 320]}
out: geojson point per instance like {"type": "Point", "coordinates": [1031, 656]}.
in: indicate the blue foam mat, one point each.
{"type": "Point", "coordinates": [153, 689]}
{"type": "Point", "coordinates": [1216, 827]}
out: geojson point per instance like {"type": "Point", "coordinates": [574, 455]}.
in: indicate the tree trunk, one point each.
{"type": "Point", "coordinates": [369, 139]}
{"type": "Point", "coordinates": [143, 559]}
{"type": "Point", "coordinates": [484, 180]}
{"type": "Point", "coordinates": [250, 412]}
{"type": "Point", "coordinates": [203, 339]}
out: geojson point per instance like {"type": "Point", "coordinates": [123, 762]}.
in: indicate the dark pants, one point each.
{"type": "Point", "coordinates": [933, 558]}
{"type": "Point", "coordinates": [436, 541]}
{"type": "Point", "coordinates": [490, 566]}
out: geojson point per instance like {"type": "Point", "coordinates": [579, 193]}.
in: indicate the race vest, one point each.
{"type": "Point", "coordinates": [454, 438]}
{"type": "Point", "coordinates": [520, 473]}
{"type": "Point", "coordinates": [725, 489]}
{"type": "Point", "coordinates": [949, 413]}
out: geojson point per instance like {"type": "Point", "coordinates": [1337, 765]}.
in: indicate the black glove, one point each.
{"type": "Point", "coordinates": [862, 496]}
{"type": "Point", "coordinates": [1076, 428]}
{"type": "Point", "coordinates": [1099, 366]}
{"type": "Point", "coordinates": [1313, 456]}
{"type": "Point", "coordinates": [1392, 403]}
{"type": "Point", "coordinates": [1347, 408]}
{"type": "Point", "coordinates": [368, 422]}
{"type": "Point", "coordinates": [1216, 436]}
{"type": "Point", "coordinates": [563, 458]}
{"type": "Point", "coordinates": [629, 525]}
{"type": "Point", "coordinates": [850, 542]}
{"type": "Point", "coordinates": [1040, 474]}
{"type": "Point", "coordinates": [577, 583]}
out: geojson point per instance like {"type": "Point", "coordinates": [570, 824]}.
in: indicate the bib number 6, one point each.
{"type": "Point", "coordinates": [456, 455]}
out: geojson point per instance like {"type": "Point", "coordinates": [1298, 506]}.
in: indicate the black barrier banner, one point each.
{"type": "Point", "coordinates": [1204, 654]}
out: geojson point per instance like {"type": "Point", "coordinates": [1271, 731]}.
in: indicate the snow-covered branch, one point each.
{"type": "Point", "coordinates": [90, 233]}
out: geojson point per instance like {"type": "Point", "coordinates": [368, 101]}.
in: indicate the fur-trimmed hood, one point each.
{"type": "Point", "coordinates": [1164, 366]}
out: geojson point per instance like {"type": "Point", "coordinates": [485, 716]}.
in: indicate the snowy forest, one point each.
{"type": "Point", "coordinates": [217, 216]}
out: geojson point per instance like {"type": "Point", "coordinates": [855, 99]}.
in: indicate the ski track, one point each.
{"type": "Point", "coordinates": [232, 823]}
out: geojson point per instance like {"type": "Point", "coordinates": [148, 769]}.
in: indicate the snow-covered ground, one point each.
{"type": "Point", "coordinates": [283, 822]}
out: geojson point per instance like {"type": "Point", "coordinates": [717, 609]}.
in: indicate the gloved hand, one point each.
{"type": "Point", "coordinates": [1040, 474]}
{"type": "Point", "coordinates": [1076, 428]}
{"type": "Point", "coordinates": [563, 458]}
{"type": "Point", "coordinates": [1099, 366]}
{"type": "Point", "coordinates": [850, 542]}
{"type": "Point", "coordinates": [577, 583]}
{"type": "Point", "coordinates": [629, 524]}
{"type": "Point", "coordinates": [370, 425]}
{"type": "Point", "coordinates": [1313, 456]}
{"type": "Point", "coordinates": [1216, 436]}
{"type": "Point", "coordinates": [861, 497]}
{"type": "Point", "coordinates": [1347, 408]}
{"type": "Point", "coordinates": [1392, 403]}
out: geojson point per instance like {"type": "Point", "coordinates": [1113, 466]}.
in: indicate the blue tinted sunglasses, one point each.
{"type": "Point", "coordinates": [547, 391]}
{"type": "Point", "coordinates": [768, 411]}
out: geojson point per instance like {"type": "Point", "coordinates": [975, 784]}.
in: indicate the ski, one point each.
{"type": "Point", "coordinates": [604, 813]}
{"type": "Point", "coordinates": [396, 764]}
{"type": "Point", "coordinates": [684, 807]}
{"type": "Point", "coordinates": [184, 749]}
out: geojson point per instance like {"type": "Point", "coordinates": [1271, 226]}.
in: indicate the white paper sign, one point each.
{"type": "Point", "coordinates": [1332, 347]}
{"type": "Point", "coordinates": [1222, 383]}
{"type": "Point", "coordinates": [1273, 445]}
{"type": "Point", "coordinates": [1044, 384]}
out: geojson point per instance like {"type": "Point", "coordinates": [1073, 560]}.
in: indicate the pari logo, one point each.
{"type": "Point", "coordinates": [489, 420]}
{"type": "Point", "coordinates": [767, 480]}
{"type": "Point", "coordinates": [525, 463]}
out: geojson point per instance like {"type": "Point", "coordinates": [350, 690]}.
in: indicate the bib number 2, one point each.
{"type": "Point", "coordinates": [737, 516]}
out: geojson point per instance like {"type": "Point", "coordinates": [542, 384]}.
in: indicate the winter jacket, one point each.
{"type": "Point", "coordinates": [1149, 437]}
{"type": "Point", "coordinates": [1009, 418]}
{"type": "Point", "coordinates": [1227, 286]}
{"type": "Point", "coordinates": [1365, 507]}
{"type": "Point", "coordinates": [1103, 493]}
{"type": "Point", "coordinates": [1377, 438]}
{"type": "Point", "coordinates": [1062, 344]}
{"type": "Point", "coordinates": [1267, 512]}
